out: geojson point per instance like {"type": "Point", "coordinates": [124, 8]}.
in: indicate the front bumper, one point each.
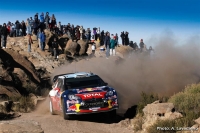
{"type": "Point", "coordinates": [89, 111]}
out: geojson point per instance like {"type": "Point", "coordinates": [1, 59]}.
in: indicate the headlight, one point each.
{"type": "Point", "coordinates": [109, 93]}
{"type": "Point", "coordinates": [73, 97]}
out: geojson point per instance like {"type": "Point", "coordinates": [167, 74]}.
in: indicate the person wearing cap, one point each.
{"type": "Point", "coordinates": [112, 46]}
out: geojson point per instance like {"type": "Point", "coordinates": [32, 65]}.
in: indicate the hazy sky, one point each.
{"type": "Point", "coordinates": [147, 19]}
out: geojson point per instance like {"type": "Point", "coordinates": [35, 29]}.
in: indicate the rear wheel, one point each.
{"type": "Point", "coordinates": [51, 107]}
{"type": "Point", "coordinates": [65, 116]}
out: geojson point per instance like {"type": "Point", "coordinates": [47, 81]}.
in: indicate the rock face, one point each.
{"type": "Point", "coordinates": [83, 46]}
{"type": "Point", "coordinates": [71, 47]}
{"type": "Point", "coordinates": [20, 126]}
{"type": "Point", "coordinates": [19, 61]}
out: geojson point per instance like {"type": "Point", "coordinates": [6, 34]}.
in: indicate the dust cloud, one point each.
{"type": "Point", "coordinates": [165, 72]}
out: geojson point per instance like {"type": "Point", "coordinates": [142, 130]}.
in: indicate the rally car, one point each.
{"type": "Point", "coordinates": [82, 93]}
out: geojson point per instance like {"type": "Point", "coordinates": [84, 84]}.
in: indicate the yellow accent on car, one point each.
{"type": "Point", "coordinates": [89, 89]}
{"type": "Point", "coordinates": [109, 104]}
{"type": "Point", "coordinates": [77, 107]}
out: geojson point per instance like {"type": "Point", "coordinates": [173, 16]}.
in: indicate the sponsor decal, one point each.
{"type": "Point", "coordinates": [92, 95]}
{"type": "Point", "coordinates": [112, 97]}
{"type": "Point", "coordinates": [94, 109]}
{"type": "Point", "coordinates": [77, 107]}
{"type": "Point", "coordinates": [88, 89]}
{"type": "Point", "coordinates": [71, 108]}
{"type": "Point", "coordinates": [109, 104]}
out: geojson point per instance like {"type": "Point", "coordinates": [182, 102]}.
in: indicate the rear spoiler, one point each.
{"type": "Point", "coordinates": [56, 77]}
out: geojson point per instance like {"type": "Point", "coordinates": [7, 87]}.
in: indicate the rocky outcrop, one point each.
{"type": "Point", "coordinates": [19, 61]}
{"type": "Point", "coordinates": [83, 46]}
{"type": "Point", "coordinates": [20, 126]}
{"type": "Point", "coordinates": [71, 47]}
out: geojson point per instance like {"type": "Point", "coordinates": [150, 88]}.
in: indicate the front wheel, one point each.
{"type": "Point", "coordinates": [112, 114]}
{"type": "Point", "coordinates": [65, 116]}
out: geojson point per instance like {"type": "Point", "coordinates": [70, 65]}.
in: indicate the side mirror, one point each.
{"type": "Point", "coordinates": [106, 84]}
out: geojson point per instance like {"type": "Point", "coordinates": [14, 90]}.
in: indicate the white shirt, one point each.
{"type": "Point", "coordinates": [93, 47]}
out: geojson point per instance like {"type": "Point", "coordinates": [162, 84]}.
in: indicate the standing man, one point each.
{"type": "Point", "coordinates": [116, 37]}
{"type": "Point", "coordinates": [122, 37]}
{"type": "Point", "coordinates": [141, 45]}
{"type": "Point", "coordinates": [107, 44]}
{"type": "Point", "coordinates": [42, 40]}
{"type": "Point", "coordinates": [4, 34]}
{"type": "Point", "coordinates": [55, 48]}
{"type": "Point", "coordinates": [102, 38]}
{"type": "Point", "coordinates": [47, 18]}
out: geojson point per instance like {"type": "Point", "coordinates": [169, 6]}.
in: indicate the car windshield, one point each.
{"type": "Point", "coordinates": [84, 82]}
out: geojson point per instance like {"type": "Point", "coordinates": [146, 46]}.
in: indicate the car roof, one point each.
{"type": "Point", "coordinates": [77, 75]}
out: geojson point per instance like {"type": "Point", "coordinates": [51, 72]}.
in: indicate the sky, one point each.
{"type": "Point", "coordinates": [143, 19]}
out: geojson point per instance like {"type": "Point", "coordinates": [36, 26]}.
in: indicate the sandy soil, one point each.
{"type": "Point", "coordinates": [95, 123]}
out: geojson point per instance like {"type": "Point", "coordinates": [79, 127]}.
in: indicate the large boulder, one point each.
{"type": "Point", "coordinates": [71, 47]}
{"type": "Point", "coordinates": [158, 108]}
{"type": "Point", "coordinates": [83, 46]}
{"type": "Point", "coordinates": [9, 91]}
{"type": "Point", "coordinates": [19, 61]}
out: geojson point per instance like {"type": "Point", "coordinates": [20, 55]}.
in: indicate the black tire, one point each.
{"type": "Point", "coordinates": [65, 116]}
{"type": "Point", "coordinates": [51, 107]}
{"type": "Point", "coordinates": [112, 114]}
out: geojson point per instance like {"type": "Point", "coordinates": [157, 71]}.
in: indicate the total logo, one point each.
{"type": "Point", "coordinates": [92, 95]}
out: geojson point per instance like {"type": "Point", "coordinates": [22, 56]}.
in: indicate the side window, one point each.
{"type": "Point", "coordinates": [60, 84]}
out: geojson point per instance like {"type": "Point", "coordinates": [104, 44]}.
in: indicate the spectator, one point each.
{"type": "Point", "coordinates": [126, 39]}
{"type": "Point", "coordinates": [93, 49]}
{"type": "Point", "coordinates": [88, 32]}
{"type": "Point", "coordinates": [77, 33]}
{"type": "Point", "coordinates": [55, 48]}
{"type": "Point", "coordinates": [122, 37]}
{"type": "Point", "coordinates": [36, 18]}
{"type": "Point", "coordinates": [72, 33]}
{"type": "Point", "coordinates": [116, 35]}
{"type": "Point", "coordinates": [112, 46]}
{"type": "Point", "coordinates": [81, 32]}
{"type": "Point", "coordinates": [23, 27]}
{"type": "Point", "coordinates": [38, 37]}
{"type": "Point", "coordinates": [53, 22]}
{"type": "Point", "coordinates": [31, 23]}
{"type": "Point", "coordinates": [95, 33]}
{"type": "Point", "coordinates": [47, 18]}
{"type": "Point", "coordinates": [102, 38]}
{"type": "Point", "coordinates": [42, 22]}
{"type": "Point", "coordinates": [13, 31]}
{"type": "Point", "coordinates": [107, 44]}
{"type": "Point", "coordinates": [28, 26]}
{"type": "Point", "coordinates": [30, 42]}
{"type": "Point", "coordinates": [4, 34]}
{"type": "Point", "coordinates": [42, 40]}
{"type": "Point", "coordinates": [141, 45]}
{"type": "Point", "coordinates": [98, 33]}
{"type": "Point", "coordinates": [17, 27]}
{"type": "Point", "coordinates": [35, 27]}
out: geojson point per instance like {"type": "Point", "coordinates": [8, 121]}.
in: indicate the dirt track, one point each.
{"type": "Point", "coordinates": [95, 123]}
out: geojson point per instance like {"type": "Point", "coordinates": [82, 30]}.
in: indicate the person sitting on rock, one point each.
{"type": "Point", "coordinates": [55, 48]}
